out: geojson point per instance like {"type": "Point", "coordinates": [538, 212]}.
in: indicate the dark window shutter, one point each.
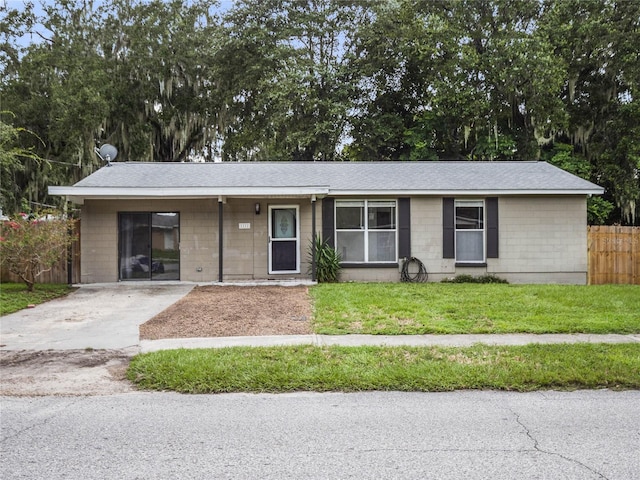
{"type": "Point", "coordinates": [328, 221]}
{"type": "Point", "coordinates": [404, 227]}
{"type": "Point", "coordinates": [448, 228]}
{"type": "Point", "coordinates": [492, 227]}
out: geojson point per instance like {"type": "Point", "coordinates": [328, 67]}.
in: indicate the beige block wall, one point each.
{"type": "Point", "coordinates": [370, 274]}
{"type": "Point", "coordinates": [198, 240]}
{"type": "Point", "coordinates": [426, 235]}
{"type": "Point", "coordinates": [239, 244]}
{"type": "Point", "coordinates": [98, 243]}
{"type": "Point", "coordinates": [245, 250]}
{"type": "Point", "coordinates": [198, 237]}
{"type": "Point", "coordinates": [541, 240]}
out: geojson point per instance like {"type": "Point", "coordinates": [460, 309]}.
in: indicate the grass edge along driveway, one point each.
{"type": "Point", "coordinates": [437, 308]}
{"type": "Point", "coordinates": [15, 297]}
{"type": "Point", "coordinates": [348, 369]}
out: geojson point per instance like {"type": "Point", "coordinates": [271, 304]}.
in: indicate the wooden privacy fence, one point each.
{"type": "Point", "coordinates": [58, 274]}
{"type": "Point", "coordinates": [614, 255]}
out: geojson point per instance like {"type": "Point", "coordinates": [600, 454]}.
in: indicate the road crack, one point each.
{"type": "Point", "coordinates": [536, 447]}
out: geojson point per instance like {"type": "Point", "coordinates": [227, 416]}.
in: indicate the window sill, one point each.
{"type": "Point", "coordinates": [472, 264]}
{"type": "Point", "coordinates": [369, 265]}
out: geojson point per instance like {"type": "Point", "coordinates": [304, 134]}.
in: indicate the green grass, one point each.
{"type": "Point", "coordinates": [402, 309]}
{"type": "Point", "coordinates": [14, 296]}
{"type": "Point", "coordinates": [311, 368]}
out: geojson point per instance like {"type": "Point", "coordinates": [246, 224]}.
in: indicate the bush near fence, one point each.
{"type": "Point", "coordinates": [58, 274]}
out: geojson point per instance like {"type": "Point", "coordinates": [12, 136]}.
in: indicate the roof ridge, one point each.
{"type": "Point", "coordinates": [373, 162]}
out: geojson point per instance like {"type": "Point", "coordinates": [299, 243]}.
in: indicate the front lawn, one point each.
{"type": "Point", "coordinates": [14, 296]}
{"type": "Point", "coordinates": [312, 368]}
{"type": "Point", "coordinates": [445, 308]}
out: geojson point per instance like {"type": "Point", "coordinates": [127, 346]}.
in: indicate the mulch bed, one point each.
{"type": "Point", "coordinates": [223, 311]}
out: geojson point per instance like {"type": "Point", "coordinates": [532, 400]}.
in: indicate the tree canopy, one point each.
{"type": "Point", "coordinates": [323, 80]}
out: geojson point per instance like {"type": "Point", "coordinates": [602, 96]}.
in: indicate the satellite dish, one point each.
{"type": "Point", "coordinates": [107, 153]}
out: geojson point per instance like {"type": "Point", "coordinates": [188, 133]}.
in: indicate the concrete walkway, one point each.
{"type": "Point", "coordinates": [383, 340]}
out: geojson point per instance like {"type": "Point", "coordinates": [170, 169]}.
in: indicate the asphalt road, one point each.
{"type": "Point", "coordinates": [460, 435]}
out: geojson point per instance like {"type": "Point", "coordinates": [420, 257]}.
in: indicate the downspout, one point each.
{"type": "Point", "coordinates": [313, 238]}
{"type": "Point", "coordinates": [220, 237]}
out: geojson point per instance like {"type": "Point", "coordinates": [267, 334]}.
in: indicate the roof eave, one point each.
{"type": "Point", "coordinates": [79, 194]}
{"type": "Point", "coordinates": [467, 192]}
{"type": "Point", "coordinates": [76, 193]}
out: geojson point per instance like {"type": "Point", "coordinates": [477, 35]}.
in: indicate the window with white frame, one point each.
{"type": "Point", "coordinates": [366, 231]}
{"type": "Point", "coordinates": [469, 225]}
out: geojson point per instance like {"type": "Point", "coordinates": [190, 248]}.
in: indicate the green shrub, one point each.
{"type": "Point", "coordinates": [487, 278]}
{"type": "Point", "coordinates": [327, 261]}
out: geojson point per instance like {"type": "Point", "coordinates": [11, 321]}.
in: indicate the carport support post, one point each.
{"type": "Point", "coordinates": [313, 239]}
{"type": "Point", "coordinates": [220, 241]}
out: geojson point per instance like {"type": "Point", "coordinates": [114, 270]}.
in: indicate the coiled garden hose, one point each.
{"type": "Point", "coordinates": [413, 270]}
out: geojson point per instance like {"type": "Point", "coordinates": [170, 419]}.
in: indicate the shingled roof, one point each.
{"type": "Point", "coordinates": [182, 180]}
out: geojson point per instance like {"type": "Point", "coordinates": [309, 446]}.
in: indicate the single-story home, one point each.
{"type": "Point", "coordinates": [205, 222]}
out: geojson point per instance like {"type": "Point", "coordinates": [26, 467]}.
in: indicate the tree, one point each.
{"type": "Point", "coordinates": [164, 99]}
{"type": "Point", "coordinates": [325, 80]}
{"type": "Point", "coordinates": [393, 87]}
{"type": "Point", "coordinates": [32, 244]}
{"type": "Point", "coordinates": [289, 77]}
{"type": "Point", "coordinates": [14, 23]}
{"type": "Point", "coordinates": [133, 73]}
{"type": "Point", "coordinates": [599, 41]}
{"type": "Point", "coordinates": [478, 78]}
{"type": "Point", "coordinates": [12, 161]}
{"type": "Point", "coordinates": [567, 158]}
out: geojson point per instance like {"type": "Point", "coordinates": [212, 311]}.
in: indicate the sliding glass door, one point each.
{"type": "Point", "coordinates": [149, 246]}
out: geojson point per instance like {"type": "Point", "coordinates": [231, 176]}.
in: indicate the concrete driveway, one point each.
{"type": "Point", "coordinates": [98, 316]}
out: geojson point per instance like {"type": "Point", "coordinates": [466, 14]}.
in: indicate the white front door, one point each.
{"type": "Point", "coordinates": [284, 239]}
